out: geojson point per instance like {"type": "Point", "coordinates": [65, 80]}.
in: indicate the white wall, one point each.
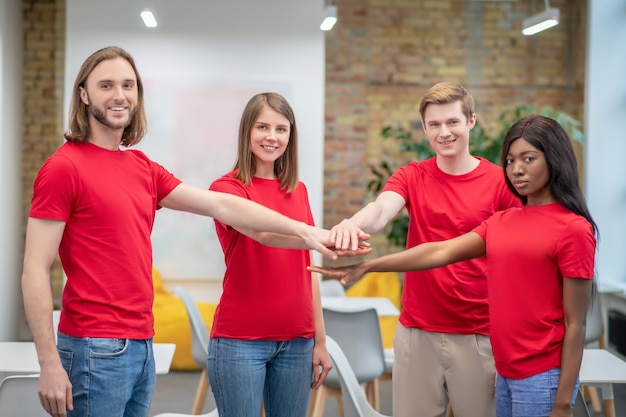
{"type": "Point", "coordinates": [605, 151]}
{"type": "Point", "coordinates": [203, 62]}
{"type": "Point", "coordinates": [10, 166]}
{"type": "Point", "coordinates": [605, 146]}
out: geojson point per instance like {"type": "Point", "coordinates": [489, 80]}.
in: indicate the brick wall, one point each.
{"type": "Point", "coordinates": [384, 54]}
{"type": "Point", "coordinates": [44, 46]}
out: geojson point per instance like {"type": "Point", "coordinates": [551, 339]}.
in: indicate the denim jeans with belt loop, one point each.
{"type": "Point", "coordinates": [110, 377]}
{"type": "Point", "coordinates": [242, 372]}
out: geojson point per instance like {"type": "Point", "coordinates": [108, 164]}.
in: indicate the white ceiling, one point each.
{"type": "Point", "coordinates": [206, 16]}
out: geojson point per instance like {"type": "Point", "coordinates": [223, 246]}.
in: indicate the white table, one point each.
{"type": "Point", "coordinates": [608, 288]}
{"type": "Point", "coordinates": [21, 357]}
{"type": "Point", "coordinates": [163, 355]}
{"type": "Point", "coordinates": [601, 368]}
{"type": "Point", "coordinates": [384, 307]}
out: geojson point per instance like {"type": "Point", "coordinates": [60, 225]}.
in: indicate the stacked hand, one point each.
{"type": "Point", "coordinates": [346, 274]}
{"type": "Point", "coordinates": [345, 234]}
{"type": "Point", "coordinates": [348, 240]}
{"type": "Point", "coordinates": [320, 240]}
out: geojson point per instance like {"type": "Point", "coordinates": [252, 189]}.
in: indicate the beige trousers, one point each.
{"type": "Point", "coordinates": [432, 368]}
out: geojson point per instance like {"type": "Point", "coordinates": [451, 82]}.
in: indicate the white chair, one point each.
{"type": "Point", "coordinates": [358, 334]}
{"type": "Point", "coordinates": [580, 407]}
{"type": "Point", "coordinates": [388, 373]}
{"type": "Point", "coordinates": [332, 288]}
{"type": "Point", "coordinates": [355, 404]}
{"type": "Point", "coordinates": [19, 398]}
{"type": "Point", "coordinates": [594, 334]}
{"type": "Point", "coordinates": [199, 346]}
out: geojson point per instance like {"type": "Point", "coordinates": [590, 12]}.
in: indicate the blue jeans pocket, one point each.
{"type": "Point", "coordinates": [66, 360]}
{"type": "Point", "coordinates": [109, 376]}
{"type": "Point", "coordinates": [107, 348]}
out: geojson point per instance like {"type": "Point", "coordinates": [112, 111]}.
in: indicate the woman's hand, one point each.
{"type": "Point", "coordinates": [346, 274]}
{"type": "Point", "coordinates": [321, 364]}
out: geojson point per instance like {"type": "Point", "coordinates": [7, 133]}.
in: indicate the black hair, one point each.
{"type": "Point", "coordinates": [549, 137]}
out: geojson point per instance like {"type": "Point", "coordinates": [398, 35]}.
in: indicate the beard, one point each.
{"type": "Point", "coordinates": [100, 115]}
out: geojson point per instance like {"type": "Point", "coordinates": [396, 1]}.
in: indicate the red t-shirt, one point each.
{"type": "Point", "coordinates": [108, 201]}
{"type": "Point", "coordinates": [450, 299]}
{"type": "Point", "coordinates": [267, 291]}
{"type": "Point", "coordinates": [529, 251]}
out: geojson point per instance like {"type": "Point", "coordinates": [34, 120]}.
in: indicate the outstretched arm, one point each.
{"type": "Point", "coordinates": [292, 242]}
{"type": "Point", "coordinates": [239, 212]}
{"type": "Point", "coordinates": [425, 256]}
{"type": "Point", "coordinates": [370, 219]}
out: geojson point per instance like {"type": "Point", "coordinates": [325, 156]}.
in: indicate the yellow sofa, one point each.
{"type": "Point", "coordinates": [171, 323]}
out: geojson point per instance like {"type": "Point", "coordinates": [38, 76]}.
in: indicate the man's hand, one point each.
{"type": "Point", "coordinates": [55, 391]}
{"type": "Point", "coordinates": [346, 235]}
{"type": "Point", "coordinates": [321, 241]}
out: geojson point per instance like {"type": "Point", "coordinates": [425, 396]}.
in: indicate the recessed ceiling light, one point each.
{"type": "Point", "coordinates": [148, 18]}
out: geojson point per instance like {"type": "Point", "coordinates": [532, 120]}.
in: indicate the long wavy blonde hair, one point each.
{"type": "Point", "coordinates": [78, 130]}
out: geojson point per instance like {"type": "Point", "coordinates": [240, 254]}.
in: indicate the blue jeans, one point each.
{"type": "Point", "coordinates": [530, 397]}
{"type": "Point", "coordinates": [242, 372]}
{"type": "Point", "coordinates": [110, 377]}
